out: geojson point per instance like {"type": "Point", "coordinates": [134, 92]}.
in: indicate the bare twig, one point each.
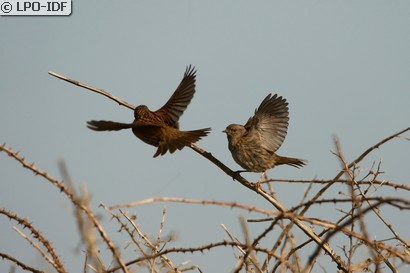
{"type": "Point", "coordinates": [128, 230]}
{"type": "Point", "coordinates": [73, 199]}
{"type": "Point", "coordinates": [341, 228]}
{"type": "Point", "coordinates": [151, 245]}
{"type": "Point", "coordinates": [355, 205]}
{"type": "Point", "coordinates": [20, 264]}
{"type": "Point", "coordinates": [97, 90]}
{"type": "Point", "coordinates": [54, 260]}
{"type": "Point", "coordinates": [194, 201]}
{"type": "Point", "coordinates": [36, 246]}
{"type": "Point", "coordinates": [244, 251]}
{"type": "Point", "coordinates": [85, 226]}
{"type": "Point", "coordinates": [354, 162]}
{"type": "Point", "coordinates": [339, 175]}
{"type": "Point", "coordinates": [191, 250]}
{"type": "Point", "coordinates": [344, 181]}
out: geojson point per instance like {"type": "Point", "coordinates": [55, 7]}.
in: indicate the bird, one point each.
{"type": "Point", "coordinates": [161, 128]}
{"type": "Point", "coordinates": [254, 144]}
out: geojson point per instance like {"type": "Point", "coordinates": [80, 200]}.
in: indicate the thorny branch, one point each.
{"type": "Point", "coordinates": [20, 264]}
{"type": "Point", "coordinates": [56, 263]}
{"type": "Point", "coordinates": [73, 199]}
{"type": "Point", "coordinates": [346, 225]}
{"type": "Point", "coordinates": [235, 175]}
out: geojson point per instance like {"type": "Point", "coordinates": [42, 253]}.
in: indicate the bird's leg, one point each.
{"type": "Point", "coordinates": [264, 177]}
{"type": "Point", "coordinates": [272, 192]}
{"type": "Point", "coordinates": [260, 180]}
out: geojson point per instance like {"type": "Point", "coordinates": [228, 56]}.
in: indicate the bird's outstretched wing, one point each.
{"type": "Point", "coordinates": [176, 105]}
{"type": "Point", "coordinates": [270, 122]}
{"type": "Point", "coordinates": [106, 125]}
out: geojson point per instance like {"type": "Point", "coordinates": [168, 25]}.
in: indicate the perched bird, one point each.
{"type": "Point", "coordinates": [253, 146]}
{"type": "Point", "coordinates": [161, 128]}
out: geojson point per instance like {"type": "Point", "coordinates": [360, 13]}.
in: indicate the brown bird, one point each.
{"type": "Point", "coordinates": [161, 128]}
{"type": "Point", "coordinates": [253, 146]}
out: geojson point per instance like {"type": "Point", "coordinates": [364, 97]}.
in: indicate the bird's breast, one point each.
{"type": "Point", "coordinates": [151, 135]}
{"type": "Point", "coordinates": [251, 156]}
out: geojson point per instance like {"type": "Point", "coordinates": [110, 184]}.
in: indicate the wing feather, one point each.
{"type": "Point", "coordinates": [270, 122]}
{"type": "Point", "coordinates": [178, 102]}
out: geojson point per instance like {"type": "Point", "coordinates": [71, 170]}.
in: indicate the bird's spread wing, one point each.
{"type": "Point", "coordinates": [176, 105]}
{"type": "Point", "coordinates": [270, 122]}
{"type": "Point", "coordinates": [106, 125]}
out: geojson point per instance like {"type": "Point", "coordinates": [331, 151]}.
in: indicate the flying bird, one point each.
{"type": "Point", "coordinates": [161, 128]}
{"type": "Point", "coordinates": [253, 145]}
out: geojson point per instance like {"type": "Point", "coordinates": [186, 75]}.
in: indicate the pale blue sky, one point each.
{"type": "Point", "coordinates": [343, 66]}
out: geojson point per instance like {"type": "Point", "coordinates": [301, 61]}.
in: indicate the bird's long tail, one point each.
{"type": "Point", "coordinates": [294, 162]}
{"type": "Point", "coordinates": [184, 138]}
{"type": "Point", "coordinates": [105, 125]}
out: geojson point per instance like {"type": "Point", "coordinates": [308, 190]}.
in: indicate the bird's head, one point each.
{"type": "Point", "coordinates": [140, 111]}
{"type": "Point", "coordinates": [234, 131]}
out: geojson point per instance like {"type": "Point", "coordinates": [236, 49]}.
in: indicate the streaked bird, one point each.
{"type": "Point", "coordinates": [161, 128]}
{"type": "Point", "coordinates": [253, 145]}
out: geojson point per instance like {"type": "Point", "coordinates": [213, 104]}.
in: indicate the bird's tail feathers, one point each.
{"type": "Point", "coordinates": [184, 138]}
{"type": "Point", "coordinates": [294, 162]}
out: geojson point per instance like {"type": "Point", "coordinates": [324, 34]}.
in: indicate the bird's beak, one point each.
{"type": "Point", "coordinates": [224, 131]}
